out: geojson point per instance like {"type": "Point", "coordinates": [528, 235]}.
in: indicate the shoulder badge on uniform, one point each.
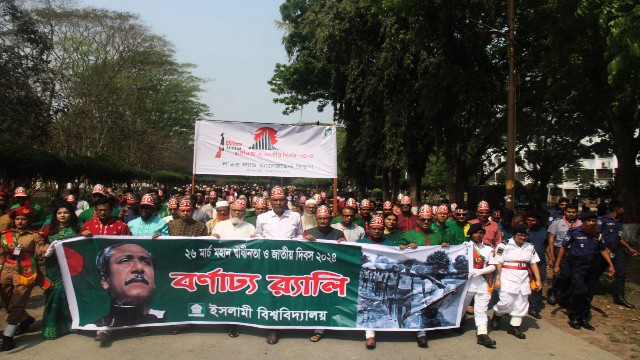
{"type": "Point", "coordinates": [500, 250]}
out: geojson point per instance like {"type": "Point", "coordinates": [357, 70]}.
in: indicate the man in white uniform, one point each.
{"type": "Point", "coordinates": [515, 261]}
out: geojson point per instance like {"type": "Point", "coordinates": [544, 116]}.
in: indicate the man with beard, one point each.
{"type": "Point", "coordinates": [308, 216]}
{"type": "Point", "coordinates": [5, 221]}
{"type": "Point", "coordinates": [127, 275]}
{"type": "Point", "coordinates": [492, 235]}
{"type": "Point", "coordinates": [352, 232]}
{"type": "Point", "coordinates": [406, 220]}
{"type": "Point", "coordinates": [583, 243]}
{"type": "Point", "coordinates": [538, 238]}
{"type": "Point", "coordinates": [561, 288]}
{"type": "Point", "coordinates": [260, 207]}
{"type": "Point", "coordinates": [278, 224]}
{"type": "Point", "coordinates": [459, 226]}
{"type": "Point", "coordinates": [222, 214]}
{"type": "Point", "coordinates": [235, 227]}
{"type": "Point", "coordinates": [611, 228]}
{"type": "Point", "coordinates": [148, 224]}
{"type": "Point", "coordinates": [515, 262]}
{"type": "Point", "coordinates": [186, 225]}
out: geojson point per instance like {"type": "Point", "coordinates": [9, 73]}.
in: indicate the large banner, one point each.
{"type": "Point", "coordinates": [115, 282]}
{"type": "Point", "coordinates": [252, 149]}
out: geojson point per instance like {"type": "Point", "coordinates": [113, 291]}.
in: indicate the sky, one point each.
{"type": "Point", "coordinates": [235, 45]}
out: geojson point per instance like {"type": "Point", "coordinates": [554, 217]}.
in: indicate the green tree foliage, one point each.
{"type": "Point", "coordinates": [24, 115]}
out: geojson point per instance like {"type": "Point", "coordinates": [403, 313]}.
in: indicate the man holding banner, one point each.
{"type": "Point", "coordinates": [278, 224]}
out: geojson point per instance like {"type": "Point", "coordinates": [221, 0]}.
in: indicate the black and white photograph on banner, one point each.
{"type": "Point", "coordinates": [419, 289]}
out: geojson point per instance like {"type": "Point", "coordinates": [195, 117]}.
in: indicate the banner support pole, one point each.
{"type": "Point", "coordinates": [335, 196]}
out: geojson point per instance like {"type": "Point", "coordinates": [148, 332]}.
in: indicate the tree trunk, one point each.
{"type": "Point", "coordinates": [625, 148]}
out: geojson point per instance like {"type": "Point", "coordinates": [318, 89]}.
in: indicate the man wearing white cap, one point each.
{"type": "Point", "coordinates": [235, 227]}
{"type": "Point", "coordinates": [278, 224]}
{"type": "Point", "coordinates": [406, 220]}
{"type": "Point", "coordinates": [309, 214]}
{"type": "Point", "coordinates": [148, 224]}
{"type": "Point", "coordinates": [98, 192]}
{"type": "Point", "coordinates": [222, 214]}
{"type": "Point", "coordinates": [186, 225]}
{"type": "Point", "coordinates": [492, 236]}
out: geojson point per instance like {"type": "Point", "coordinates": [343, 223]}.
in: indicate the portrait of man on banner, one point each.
{"type": "Point", "coordinates": [127, 274]}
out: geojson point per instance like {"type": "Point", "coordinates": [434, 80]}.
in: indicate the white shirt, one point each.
{"type": "Point", "coordinates": [479, 283]}
{"type": "Point", "coordinates": [227, 230]}
{"type": "Point", "coordinates": [271, 226]}
{"type": "Point", "coordinates": [353, 233]}
{"type": "Point", "coordinates": [515, 281]}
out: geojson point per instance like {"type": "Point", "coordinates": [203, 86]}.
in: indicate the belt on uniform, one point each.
{"type": "Point", "coordinates": [583, 258]}
{"type": "Point", "coordinates": [515, 265]}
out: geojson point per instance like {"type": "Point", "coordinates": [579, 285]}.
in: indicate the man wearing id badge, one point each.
{"type": "Point", "coordinates": [610, 226]}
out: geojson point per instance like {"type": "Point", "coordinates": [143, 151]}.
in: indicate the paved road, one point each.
{"type": "Point", "coordinates": [543, 341]}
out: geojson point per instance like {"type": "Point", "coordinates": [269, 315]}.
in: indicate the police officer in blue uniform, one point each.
{"type": "Point", "coordinates": [611, 228]}
{"type": "Point", "coordinates": [559, 212]}
{"type": "Point", "coordinates": [583, 245]}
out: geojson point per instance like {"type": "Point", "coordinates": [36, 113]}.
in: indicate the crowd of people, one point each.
{"type": "Point", "coordinates": [512, 251]}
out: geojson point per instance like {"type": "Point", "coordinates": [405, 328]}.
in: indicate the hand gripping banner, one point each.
{"type": "Point", "coordinates": [116, 282]}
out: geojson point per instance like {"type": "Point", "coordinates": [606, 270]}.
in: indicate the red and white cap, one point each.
{"type": "Point", "coordinates": [425, 210]}
{"type": "Point", "coordinates": [213, 195]}
{"type": "Point", "coordinates": [20, 191]}
{"type": "Point", "coordinates": [365, 204]}
{"type": "Point", "coordinates": [434, 209]}
{"type": "Point", "coordinates": [351, 202]}
{"type": "Point", "coordinates": [231, 199]}
{"type": "Point", "coordinates": [185, 204]}
{"type": "Point", "coordinates": [303, 199]}
{"type": "Point", "coordinates": [70, 199]}
{"type": "Point", "coordinates": [277, 193]}
{"type": "Point", "coordinates": [147, 200]}
{"type": "Point", "coordinates": [160, 193]}
{"type": "Point", "coordinates": [98, 189]}
{"type": "Point", "coordinates": [323, 194]}
{"type": "Point", "coordinates": [443, 209]}
{"type": "Point", "coordinates": [387, 205]}
{"type": "Point", "coordinates": [376, 221]}
{"type": "Point", "coordinates": [240, 202]}
{"type": "Point", "coordinates": [317, 197]}
{"type": "Point", "coordinates": [260, 202]}
{"type": "Point", "coordinates": [322, 211]}
{"type": "Point", "coordinates": [454, 206]}
{"type": "Point", "coordinates": [131, 199]}
{"type": "Point", "coordinates": [483, 205]}
{"type": "Point", "coordinates": [173, 203]}
{"type": "Point", "coordinates": [405, 200]}
{"type": "Point", "coordinates": [265, 193]}
{"type": "Point", "coordinates": [496, 214]}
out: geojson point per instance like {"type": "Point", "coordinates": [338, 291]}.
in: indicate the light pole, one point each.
{"type": "Point", "coordinates": [511, 111]}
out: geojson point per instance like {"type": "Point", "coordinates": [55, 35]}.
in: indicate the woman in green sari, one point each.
{"type": "Point", "coordinates": [56, 320]}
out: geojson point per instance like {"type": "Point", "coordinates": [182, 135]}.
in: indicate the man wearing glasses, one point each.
{"type": "Point", "coordinates": [420, 235]}
{"type": "Point", "coordinates": [352, 232]}
{"type": "Point", "coordinates": [459, 226]}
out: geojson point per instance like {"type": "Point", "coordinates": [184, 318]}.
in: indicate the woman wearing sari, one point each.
{"type": "Point", "coordinates": [56, 320]}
